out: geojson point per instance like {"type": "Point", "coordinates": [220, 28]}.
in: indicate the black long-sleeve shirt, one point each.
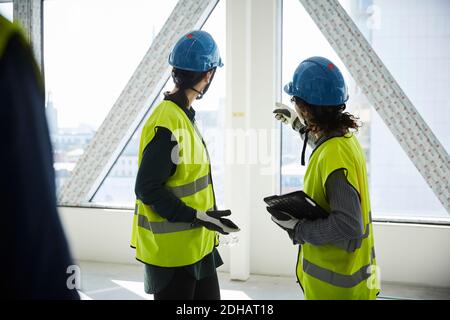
{"type": "Point", "coordinates": [155, 169]}
{"type": "Point", "coordinates": [345, 222]}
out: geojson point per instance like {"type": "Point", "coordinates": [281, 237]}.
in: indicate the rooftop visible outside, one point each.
{"type": "Point", "coordinates": [87, 62]}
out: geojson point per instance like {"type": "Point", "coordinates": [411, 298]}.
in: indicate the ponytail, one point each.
{"type": "Point", "coordinates": [183, 80]}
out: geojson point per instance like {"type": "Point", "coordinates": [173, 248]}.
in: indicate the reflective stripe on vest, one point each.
{"type": "Point", "coordinates": [165, 226]}
{"type": "Point", "coordinates": [372, 255]}
{"type": "Point", "coordinates": [337, 279]}
{"type": "Point", "coordinates": [191, 188]}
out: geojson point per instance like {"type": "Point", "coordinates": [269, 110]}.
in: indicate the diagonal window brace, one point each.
{"type": "Point", "coordinates": [133, 103]}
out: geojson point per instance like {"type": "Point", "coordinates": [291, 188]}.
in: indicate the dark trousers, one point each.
{"type": "Point", "coordinates": [185, 287]}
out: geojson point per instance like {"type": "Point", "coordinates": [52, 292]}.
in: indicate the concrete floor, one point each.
{"type": "Point", "coordinates": [104, 281]}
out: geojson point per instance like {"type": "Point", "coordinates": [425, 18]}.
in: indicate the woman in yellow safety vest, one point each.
{"type": "Point", "coordinates": [336, 257]}
{"type": "Point", "coordinates": [176, 219]}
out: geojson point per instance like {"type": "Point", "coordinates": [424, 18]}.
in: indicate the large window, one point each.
{"type": "Point", "coordinates": [413, 41]}
{"type": "Point", "coordinates": [301, 40]}
{"type": "Point", "coordinates": [91, 49]}
{"type": "Point", "coordinates": [118, 187]}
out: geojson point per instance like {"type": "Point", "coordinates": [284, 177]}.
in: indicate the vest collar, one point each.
{"type": "Point", "coordinates": [324, 139]}
{"type": "Point", "coordinates": [190, 112]}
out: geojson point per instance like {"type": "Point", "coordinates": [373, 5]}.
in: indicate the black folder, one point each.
{"type": "Point", "coordinates": [298, 204]}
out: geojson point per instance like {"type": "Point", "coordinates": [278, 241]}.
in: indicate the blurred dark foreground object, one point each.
{"type": "Point", "coordinates": [34, 253]}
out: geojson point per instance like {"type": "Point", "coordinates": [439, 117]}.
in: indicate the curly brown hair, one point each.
{"type": "Point", "coordinates": [325, 120]}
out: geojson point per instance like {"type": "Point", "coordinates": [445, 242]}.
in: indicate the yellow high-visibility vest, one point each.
{"type": "Point", "coordinates": [7, 30]}
{"type": "Point", "coordinates": [160, 242]}
{"type": "Point", "coordinates": [345, 270]}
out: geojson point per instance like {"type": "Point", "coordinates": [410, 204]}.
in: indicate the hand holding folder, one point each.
{"type": "Point", "coordinates": [296, 204]}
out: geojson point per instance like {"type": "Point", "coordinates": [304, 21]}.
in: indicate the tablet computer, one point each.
{"type": "Point", "coordinates": [298, 204]}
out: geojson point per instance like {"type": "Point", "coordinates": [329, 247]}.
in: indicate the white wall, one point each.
{"type": "Point", "coordinates": [409, 254]}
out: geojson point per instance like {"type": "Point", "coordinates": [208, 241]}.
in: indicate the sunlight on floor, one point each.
{"type": "Point", "coordinates": [137, 288]}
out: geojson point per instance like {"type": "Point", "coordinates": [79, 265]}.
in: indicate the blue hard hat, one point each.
{"type": "Point", "coordinates": [318, 81]}
{"type": "Point", "coordinates": [195, 51]}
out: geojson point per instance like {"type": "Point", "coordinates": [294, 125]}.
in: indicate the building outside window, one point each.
{"type": "Point", "coordinates": [210, 117]}
{"type": "Point", "coordinates": [87, 63]}
{"type": "Point", "coordinates": [412, 39]}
